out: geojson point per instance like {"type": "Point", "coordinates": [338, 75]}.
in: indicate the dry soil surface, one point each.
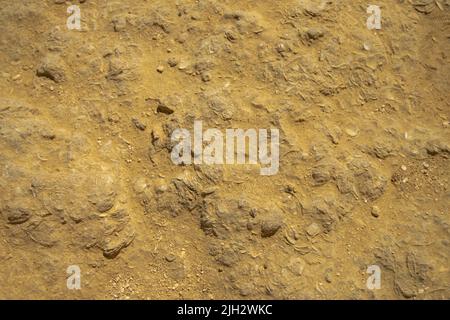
{"type": "Point", "coordinates": [86, 176]}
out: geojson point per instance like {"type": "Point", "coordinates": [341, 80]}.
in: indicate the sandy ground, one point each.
{"type": "Point", "coordinates": [86, 177]}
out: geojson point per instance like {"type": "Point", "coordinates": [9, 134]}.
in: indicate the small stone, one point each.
{"type": "Point", "coordinates": [321, 175]}
{"type": "Point", "coordinates": [375, 211]}
{"type": "Point", "coordinates": [403, 167]}
{"type": "Point", "coordinates": [281, 48]}
{"type": "Point", "coordinates": [140, 185]}
{"type": "Point", "coordinates": [296, 266]}
{"type": "Point", "coordinates": [183, 66]}
{"type": "Point", "coordinates": [405, 287]}
{"type": "Point", "coordinates": [17, 215]}
{"type": "Point", "coordinates": [231, 36]}
{"type": "Point", "coordinates": [105, 205]}
{"type": "Point", "coordinates": [425, 165]}
{"type": "Point", "coordinates": [160, 69]}
{"type": "Point", "coordinates": [112, 247]}
{"type": "Point", "coordinates": [313, 229]}
{"type": "Point", "coordinates": [139, 125]}
{"type": "Point", "coordinates": [314, 34]}
{"type": "Point", "coordinates": [160, 189]}
{"type": "Point", "coordinates": [351, 132]}
{"type": "Point", "coordinates": [244, 292]}
{"type": "Point", "coordinates": [228, 258]}
{"type": "Point", "coordinates": [270, 226]}
{"type": "Point", "coordinates": [52, 67]}
{"type": "Point", "coordinates": [206, 77]}
{"type": "Point", "coordinates": [162, 108]}
{"type": "Point", "coordinates": [48, 135]}
{"type": "Point", "coordinates": [172, 62]}
{"type": "Point", "coordinates": [119, 23]}
{"type": "Point", "coordinates": [170, 257]}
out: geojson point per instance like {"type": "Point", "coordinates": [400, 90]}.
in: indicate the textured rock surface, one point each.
{"type": "Point", "coordinates": [86, 177]}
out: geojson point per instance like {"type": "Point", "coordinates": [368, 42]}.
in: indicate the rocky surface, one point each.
{"type": "Point", "coordinates": [85, 171]}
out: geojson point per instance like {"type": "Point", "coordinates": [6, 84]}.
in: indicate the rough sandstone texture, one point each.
{"type": "Point", "coordinates": [86, 177]}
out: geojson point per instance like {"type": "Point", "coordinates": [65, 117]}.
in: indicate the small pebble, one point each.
{"type": "Point", "coordinates": [269, 227]}
{"type": "Point", "coordinates": [170, 257]}
{"type": "Point", "coordinates": [206, 77]}
{"type": "Point", "coordinates": [351, 132]}
{"type": "Point", "coordinates": [313, 229]}
{"type": "Point", "coordinates": [160, 69]}
{"type": "Point", "coordinates": [375, 211]}
{"type": "Point", "coordinates": [314, 34]}
{"type": "Point", "coordinates": [172, 62]}
{"type": "Point", "coordinates": [161, 189]}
